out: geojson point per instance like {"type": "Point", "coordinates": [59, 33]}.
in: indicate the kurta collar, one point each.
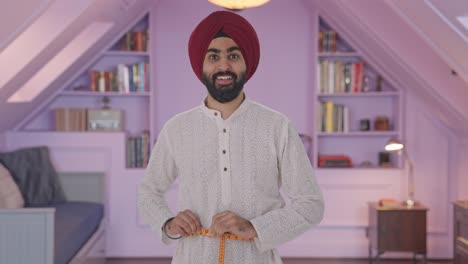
{"type": "Point", "coordinates": [215, 114]}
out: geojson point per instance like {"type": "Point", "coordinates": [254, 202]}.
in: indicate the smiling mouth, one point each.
{"type": "Point", "coordinates": [228, 77]}
{"type": "Point", "coordinates": [224, 78]}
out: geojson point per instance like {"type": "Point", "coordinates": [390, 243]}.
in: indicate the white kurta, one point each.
{"type": "Point", "coordinates": [237, 164]}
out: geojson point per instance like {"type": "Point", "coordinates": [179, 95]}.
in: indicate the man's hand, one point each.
{"type": "Point", "coordinates": [228, 221]}
{"type": "Point", "coordinates": [185, 223]}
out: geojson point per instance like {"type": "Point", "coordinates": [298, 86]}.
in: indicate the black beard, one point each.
{"type": "Point", "coordinates": [225, 93]}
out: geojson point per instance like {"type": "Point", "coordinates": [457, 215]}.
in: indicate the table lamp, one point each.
{"type": "Point", "coordinates": [396, 145]}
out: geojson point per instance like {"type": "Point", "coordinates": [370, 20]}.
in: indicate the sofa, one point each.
{"type": "Point", "coordinates": [38, 224]}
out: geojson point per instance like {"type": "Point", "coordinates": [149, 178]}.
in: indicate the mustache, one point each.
{"type": "Point", "coordinates": [232, 74]}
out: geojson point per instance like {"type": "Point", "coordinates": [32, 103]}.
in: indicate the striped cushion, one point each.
{"type": "Point", "coordinates": [10, 196]}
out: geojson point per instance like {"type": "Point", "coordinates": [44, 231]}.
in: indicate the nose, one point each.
{"type": "Point", "coordinates": [223, 65]}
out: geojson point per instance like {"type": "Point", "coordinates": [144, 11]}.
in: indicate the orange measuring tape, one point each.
{"type": "Point", "coordinates": [206, 232]}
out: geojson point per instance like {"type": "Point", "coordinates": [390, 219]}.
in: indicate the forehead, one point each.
{"type": "Point", "coordinates": [222, 43]}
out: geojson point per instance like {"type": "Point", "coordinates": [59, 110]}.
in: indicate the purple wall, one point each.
{"type": "Point", "coordinates": [2, 142]}
{"type": "Point", "coordinates": [284, 81]}
{"type": "Point", "coordinates": [282, 78]}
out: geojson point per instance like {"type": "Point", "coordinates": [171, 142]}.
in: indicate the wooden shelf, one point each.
{"type": "Point", "coordinates": [125, 53]}
{"type": "Point", "coordinates": [360, 94]}
{"type": "Point", "coordinates": [358, 134]}
{"type": "Point", "coordinates": [89, 93]}
{"type": "Point", "coordinates": [338, 54]}
{"type": "Point", "coordinates": [355, 168]}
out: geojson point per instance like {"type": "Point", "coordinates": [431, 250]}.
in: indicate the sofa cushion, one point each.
{"type": "Point", "coordinates": [10, 195]}
{"type": "Point", "coordinates": [35, 175]}
{"type": "Point", "coordinates": [75, 223]}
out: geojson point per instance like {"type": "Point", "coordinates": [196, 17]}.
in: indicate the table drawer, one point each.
{"type": "Point", "coordinates": [461, 245]}
{"type": "Point", "coordinates": [461, 230]}
{"type": "Point", "coordinates": [461, 215]}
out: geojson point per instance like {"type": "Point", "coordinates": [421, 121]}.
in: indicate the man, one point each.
{"type": "Point", "coordinates": [231, 156]}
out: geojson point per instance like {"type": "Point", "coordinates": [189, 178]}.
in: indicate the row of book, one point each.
{"type": "Point", "coordinates": [327, 41]}
{"type": "Point", "coordinates": [332, 117]}
{"type": "Point", "coordinates": [341, 77]}
{"type": "Point", "coordinates": [87, 119]}
{"type": "Point", "coordinates": [126, 78]}
{"type": "Point", "coordinates": [138, 150]}
{"type": "Point", "coordinates": [134, 41]}
{"type": "Point", "coordinates": [70, 119]}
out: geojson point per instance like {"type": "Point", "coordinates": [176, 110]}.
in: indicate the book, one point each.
{"type": "Point", "coordinates": [389, 203]}
{"type": "Point", "coordinates": [329, 116]}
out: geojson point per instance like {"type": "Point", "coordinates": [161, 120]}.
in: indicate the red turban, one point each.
{"type": "Point", "coordinates": [236, 27]}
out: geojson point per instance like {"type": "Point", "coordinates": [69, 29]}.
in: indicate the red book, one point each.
{"type": "Point", "coordinates": [107, 81]}
{"type": "Point", "coordinates": [138, 41]}
{"type": "Point", "coordinates": [93, 79]}
{"type": "Point", "coordinates": [146, 74]}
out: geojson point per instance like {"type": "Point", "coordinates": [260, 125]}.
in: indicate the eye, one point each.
{"type": "Point", "coordinates": [234, 56]}
{"type": "Point", "coordinates": [212, 57]}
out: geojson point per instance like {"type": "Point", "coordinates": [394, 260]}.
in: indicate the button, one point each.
{"type": "Point", "coordinates": [224, 130]}
{"type": "Point", "coordinates": [215, 113]}
{"type": "Point", "coordinates": [225, 169]}
{"type": "Point", "coordinates": [224, 151]}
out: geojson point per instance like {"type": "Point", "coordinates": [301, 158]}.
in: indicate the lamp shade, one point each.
{"type": "Point", "coordinates": [238, 4]}
{"type": "Point", "coordinates": [394, 145]}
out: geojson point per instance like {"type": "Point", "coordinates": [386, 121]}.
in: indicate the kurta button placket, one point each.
{"type": "Point", "coordinates": [224, 160]}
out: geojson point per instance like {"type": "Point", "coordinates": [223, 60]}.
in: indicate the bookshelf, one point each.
{"type": "Point", "coordinates": [120, 74]}
{"type": "Point", "coordinates": [356, 109]}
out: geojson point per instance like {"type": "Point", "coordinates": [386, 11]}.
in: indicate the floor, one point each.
{"type": "Point", "coordinates": [286, 261]}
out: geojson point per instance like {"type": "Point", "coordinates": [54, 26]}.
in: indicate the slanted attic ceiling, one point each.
{"type": "Point", "coordinates": [117, 12]}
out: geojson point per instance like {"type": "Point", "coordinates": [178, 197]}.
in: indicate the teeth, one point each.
{"type": "Point", "coordinates": [224, 77]}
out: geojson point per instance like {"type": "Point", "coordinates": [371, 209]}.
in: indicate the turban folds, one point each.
{"type": "Point", "coordinates": [236, 27]}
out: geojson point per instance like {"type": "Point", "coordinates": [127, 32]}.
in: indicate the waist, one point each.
{"type": "Point", "coordinates": [222, 241]}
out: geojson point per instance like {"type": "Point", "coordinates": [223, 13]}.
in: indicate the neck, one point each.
{"type": "Point", "coordinates": [226, 109]}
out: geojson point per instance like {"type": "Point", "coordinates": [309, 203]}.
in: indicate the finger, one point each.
{"type": "Point", "coordinates": [217, 223]}
{"type": "Point", "coordinates": [223, 225]}
{"type": "Point", "coordinates": [218, 216]}
{"type": "Point", "coordinates": [183, 227]}
{"type": "Point", "coordinates": [195, 220]}
{"type": "Point", "coordinates": [190, 223]}
{"type": "Point", "coordinates": [181, 231]}
{"type": "Point", "coordinates": [221, 214]}
{"type": "Point", "coordinates": [214, 221]}
{"type": "Point", "coordinates": [174, 228]}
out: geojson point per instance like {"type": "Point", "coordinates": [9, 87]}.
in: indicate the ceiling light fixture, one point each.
{"type": "Point", "coordinates": [238, 4]}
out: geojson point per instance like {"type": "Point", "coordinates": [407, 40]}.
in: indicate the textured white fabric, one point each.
{"type": "Point", "coordinates": [263, 153]}
{"type": "Point", "coordinates": [10, 195]}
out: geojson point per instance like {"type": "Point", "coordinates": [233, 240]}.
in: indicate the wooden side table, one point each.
{"type": "Point", "coordinates": [460, 232]}
{"type": "Point", "coordinates": [399, 228]}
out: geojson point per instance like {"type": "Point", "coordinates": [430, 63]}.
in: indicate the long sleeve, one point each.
{"type": "Point", "coordinates": [160, 174]}
{"type": "Point", "coordinates": [306, 205]}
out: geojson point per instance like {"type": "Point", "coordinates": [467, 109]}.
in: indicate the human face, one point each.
{"type": "Point", "coordinates": [224, 70]}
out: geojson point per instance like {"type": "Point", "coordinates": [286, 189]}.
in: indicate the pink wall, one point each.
{"type": "Point", "coordinates": [282, 78]}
